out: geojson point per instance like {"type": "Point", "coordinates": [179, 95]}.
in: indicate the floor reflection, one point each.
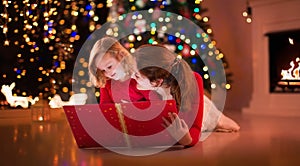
{"type": "Point", "coordinates": [45, 143]}
{"type": "Point", "coordinates": [261, 141]}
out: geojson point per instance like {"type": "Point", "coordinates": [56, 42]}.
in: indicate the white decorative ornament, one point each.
{"type": "Point", "coordinates": [76, 99]}
{"type": "Point", "coordinates": [16, 101]}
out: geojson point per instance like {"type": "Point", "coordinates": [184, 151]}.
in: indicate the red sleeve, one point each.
{"type": "Point", "coordinates": [195, 129]}
{"type": "Point", "coordinates": [105, 96]}
{"type": "Point", "coordinates": [125, 91]}
{"type": "Point", "coordinates": [141, 95]}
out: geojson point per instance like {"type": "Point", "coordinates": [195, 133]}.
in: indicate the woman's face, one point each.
{"type": "Point", "coordinates": [111, 67]}
{"type": "Point", "coordinates": [143, 82]}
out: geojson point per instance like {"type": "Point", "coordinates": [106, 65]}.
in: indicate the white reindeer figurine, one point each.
{"type": "Point", "coordinates": [76, 99]}
{"type": "Point", "coordinates": [15, 101]}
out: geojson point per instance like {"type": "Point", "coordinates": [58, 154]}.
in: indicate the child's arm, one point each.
{"type": "Point", "coordinates": [105, 96]}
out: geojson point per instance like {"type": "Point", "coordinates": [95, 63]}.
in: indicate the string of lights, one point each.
{"type": "Point", "coordinates": [248, 13]}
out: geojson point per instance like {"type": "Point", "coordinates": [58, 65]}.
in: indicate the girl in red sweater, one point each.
{"type": "Point", "coordinates": [110, 69]}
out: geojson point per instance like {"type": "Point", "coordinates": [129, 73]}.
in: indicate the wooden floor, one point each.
{"type": "Point", "coordinates": [262, 141]}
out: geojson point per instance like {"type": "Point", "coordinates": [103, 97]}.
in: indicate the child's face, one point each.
{"type": "Point", "coordinates": [111, 67]}
{"type": "Point", "coordinates": [143, 82]}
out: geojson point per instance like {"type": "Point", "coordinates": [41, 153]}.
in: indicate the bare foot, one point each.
{"type": "Point", "coordinates": [226, 124]}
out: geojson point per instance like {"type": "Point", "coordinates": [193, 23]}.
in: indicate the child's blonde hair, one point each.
{"type": "Point", "coordinates": [107, 46]}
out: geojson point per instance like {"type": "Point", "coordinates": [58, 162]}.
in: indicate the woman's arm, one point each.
{"type": "Point", "coordinates": [178, 129]}
{"type": "Point", "coordinates": [195, 129]}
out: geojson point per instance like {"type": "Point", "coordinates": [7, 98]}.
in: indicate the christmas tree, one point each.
{"type": "Point", "coordinates": [40, 42]}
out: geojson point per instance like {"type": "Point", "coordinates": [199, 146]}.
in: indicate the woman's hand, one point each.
{"type": "Point", "coordinates": [178, 129]}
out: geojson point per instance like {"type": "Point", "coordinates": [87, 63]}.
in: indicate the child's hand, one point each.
{"type": "Point", "coordinates": [178, 129]}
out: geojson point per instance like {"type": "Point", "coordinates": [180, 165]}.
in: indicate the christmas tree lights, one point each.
{"type": "Point", "coordinates": [179, 42]}
{"type": "Point", "coordinates": [46, 36]}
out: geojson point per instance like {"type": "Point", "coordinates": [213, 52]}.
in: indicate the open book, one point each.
{"type": "Point", "coordinates": [136, 124]}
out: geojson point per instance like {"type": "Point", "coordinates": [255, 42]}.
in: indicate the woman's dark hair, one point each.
{"type": "Point", "coordinates": [157, 62]}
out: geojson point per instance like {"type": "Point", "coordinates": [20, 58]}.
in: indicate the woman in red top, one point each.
{"type": "Point", "coordinates": [159, 69]}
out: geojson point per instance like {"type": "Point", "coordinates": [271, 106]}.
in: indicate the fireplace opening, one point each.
{"type": "Point", "coordinates": [284, 61]}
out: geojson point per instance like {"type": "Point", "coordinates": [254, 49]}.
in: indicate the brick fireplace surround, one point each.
{"type": "Point", "coordinates": [271, 16]}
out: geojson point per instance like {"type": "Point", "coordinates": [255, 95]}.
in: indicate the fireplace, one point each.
{"type": "Point", "coordinates": [284, 61]}
{"type": "Point", "coordinates": [271, 19]}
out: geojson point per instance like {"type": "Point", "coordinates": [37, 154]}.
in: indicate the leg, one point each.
{"type": "Point", "coordinates": [226, 124]}
{"type": "Point", "coordinates": [213, 119]}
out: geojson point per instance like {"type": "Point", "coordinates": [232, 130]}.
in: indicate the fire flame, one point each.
{"type": "Point", "coordinates": [293, 73]}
